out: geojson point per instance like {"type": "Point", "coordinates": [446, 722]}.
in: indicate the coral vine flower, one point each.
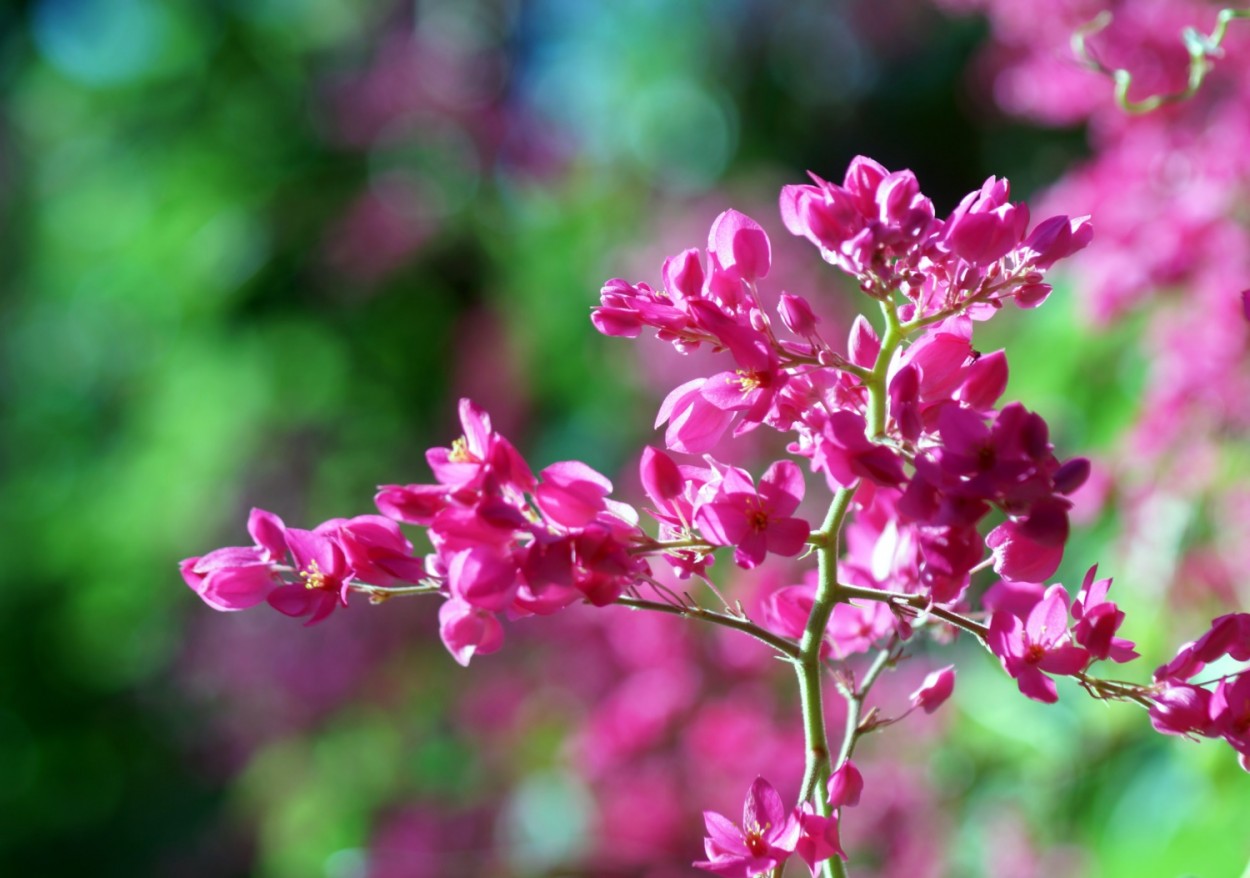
{"type": "Point", "coordinates": [756, 522]}
{"type": "Point", "coordinates": [1098, 619]}
{"type": "Point", "coordinates": [321, 564]}
{"type": "Point", "coordinates": [481, 458]}
{"type": "Point", "coordinates": [818, 838]}
{"type": "Point", "coordinates": [1040, 644]}
{"type": "Point", "coordinates": [769, 835]}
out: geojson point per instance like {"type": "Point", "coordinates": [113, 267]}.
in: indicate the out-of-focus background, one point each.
{"type": "Point", "coordinates": [253, 251]}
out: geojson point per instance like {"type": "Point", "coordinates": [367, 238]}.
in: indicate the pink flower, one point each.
{"type": "Point", "coordinates": [985, 227]}
{"type": "Point", "coordinates": [797, 315]}
{"type": "Point", "coordinates": [843, 452]}
{"type": "Point", "coordinates": [233, 578]}
{"type": "Point", "coordinates": [818, 838]}
{"type": "Point", "coordinates": [1098, 619]}
{"type": "Point", "coordinates": [321, 564]}
{"type": "Point", "coordinates": [1042, 643]}
{"type": "Point", "coordinates": [695, 424]}
{"type": "Point", "coordinates": [571, 493]}
{"type": "Point", "coordinates": [468, 631]}
{"type": "Point", "coordinates": [769, 835]}
{"type": "Point", "coordinates": [377, 551]}
{"type": "Point", "coordinates": [1029, 550]}
{"type": "Point", "coordinates": [481, 458]}
{"type": "Point", "coordinates": [756, 522]}
{"type": "Point", "coordinates": [740, 246]}
{"type": "Point", "coordinates": [1181, 709]}
{"type": "Point", "coordinates": [1230, 714]}
{"type": "Point", "coordinates": [238, 577]}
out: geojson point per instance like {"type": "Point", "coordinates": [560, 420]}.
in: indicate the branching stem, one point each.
{"type": "Point", "coordinates": [1201, 48]}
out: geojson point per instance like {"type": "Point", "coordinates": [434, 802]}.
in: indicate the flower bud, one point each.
{"type": "Point", "coordinates": [935, 689]}
{"type": "Point", "coordinates": [985, 381]}
{"type": "Point", "coordinates": [1071, 475]}
{"type": "Point", "coordinates": [845, 785]}
{"type": "Point", "coordinates": [797, 314]}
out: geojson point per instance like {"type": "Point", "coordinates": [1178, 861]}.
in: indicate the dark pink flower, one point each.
{"type": "Point", "coordinates": [844, 453]}
{"type": "Point", "coordinates": [571, 493]}
{"type": "Point", "coordinates": [239, 577]}
{"type": "Point", "coordinates": [1097, 621]}
{"type": "Point", "coordinates": [1230, 714]}
{"type": "Point", "coordinates": [480, 458]}
{"type": "Point", "coordinates": [1040, 644]}
{"type": "Point", "coordinates": [1029, 550]}
{"type": "Point", "coordinates": [797, 315]}
{"type": "Point", "coordinates": [767, 838]}
{"type": "Point", "coordinates": [756, 523]}
{"type": "Point", "coordinates": [377, 551]}
{"type": "Point", "coordinates": [468, 631]}
{"type": "Point", "coordinates": [321, 564]}
{"type": "Point", "coordinates": [233, 578]}
{"type": "Point", "coordinates": [695, 424]}
{"type": "Point", "coordinates": [818, 838]}
{"type": "Point", "coordinates": [1181, 709]}
{"type": "Point", "coordinates": [740, 246]}
{"type": "Point", "coordinates": [985, 227]}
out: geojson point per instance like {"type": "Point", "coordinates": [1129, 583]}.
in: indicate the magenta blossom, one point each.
{"type": "Point", "coordinates": [769, 835]}
{"type": "Point", "coordinates": [467, 630]}
{"type": "Point", "coordinates": [321, 564]}
{"type": "Point", "coordinates": [1098, 619]}
{"type": "Point", "coordinates": [239, 577]}
{"type": "Point", "coordinates": [818, 838]}
{"type": "Point", "coordinates": [1040, 644]}
{"type": "Point", "coordinates": [756, 522]}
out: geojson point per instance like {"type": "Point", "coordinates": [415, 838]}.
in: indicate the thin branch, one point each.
{"type": "Point", "coordinates": [920, 605]}
{"type": "Point", "coordinates": [855, 704]}
{"type": "Point", "coordinates": [1201, 48]}
{"type": "Point", "coordinates": [787, 647]}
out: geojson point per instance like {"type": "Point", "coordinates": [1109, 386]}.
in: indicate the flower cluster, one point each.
{"type": "Point", "coordinates": [1169, 189]}
{"type": "Point", "coordinates": [1182, 707]}
{"type": "Point", "coordinates": [1034, 635]}
{"type": "Point", "coordinates": [907, 429]}
{"type": "Point", "coordinates": [324, 561]}
{"type": "Point", "coordinates": [944, 456]}
{"type": "Point", "coordinates": [504, 541]}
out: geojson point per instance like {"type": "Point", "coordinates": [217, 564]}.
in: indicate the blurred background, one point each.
{"type": "Point", "coordinates": [253, 251]}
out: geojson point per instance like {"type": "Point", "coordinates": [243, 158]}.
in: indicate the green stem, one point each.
{"type": "Point", "coordinates": [890, 340]}
{"type": "Point", "coordinates": [855, 705]}
{"type": "Point", "coordinates": [1201, 49]}
{"type": "Point", "coordinates": [808, 664]}
{"type": "Point", "coordinates": [829, 593]}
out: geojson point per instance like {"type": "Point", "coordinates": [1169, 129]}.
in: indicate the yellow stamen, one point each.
{"type": "Point", "coordinates": [313, 577]}
{"type": "Point", "coordinates": [749, 380]}
{"type": "Point", "coordinates": [460, 452]}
